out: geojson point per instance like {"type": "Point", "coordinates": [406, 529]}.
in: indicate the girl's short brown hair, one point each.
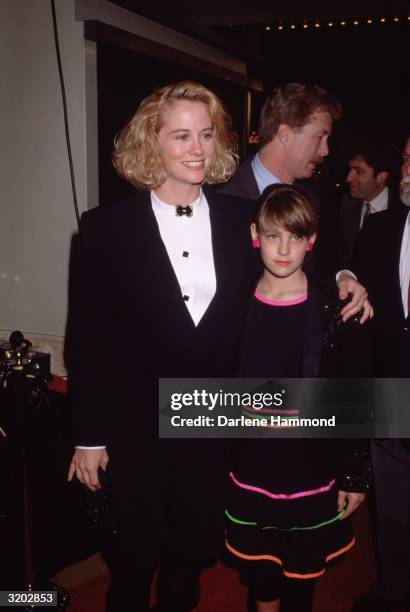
{"type": "Point", "coordinates": [137, 153]}
{"type": "Point", "coordinates": [289, 206]}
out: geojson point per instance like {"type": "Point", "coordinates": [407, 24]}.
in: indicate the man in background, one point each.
{"type": "Point", "coordinates": [373, 173]}
{"type": "Point", "coordinates": [294, 127]}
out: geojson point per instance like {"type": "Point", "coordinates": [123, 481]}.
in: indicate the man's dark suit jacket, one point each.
{"type": "Point", "coordinates": [377, 262]}
{"type": "Point", "coordinates": [130, 326]}
{"type": "Point", "coordinates": [243, 184]}
{"type": "Point", "coordinates": [377, 265]}
{"type": "Point", "coordinates": [349, 225]}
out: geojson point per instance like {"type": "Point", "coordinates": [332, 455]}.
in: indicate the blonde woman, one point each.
{"type": "Point", "coordinates": [163, 288]}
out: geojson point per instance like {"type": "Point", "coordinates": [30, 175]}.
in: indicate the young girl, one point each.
{"type": "Point", "coordinates": [288, 503]}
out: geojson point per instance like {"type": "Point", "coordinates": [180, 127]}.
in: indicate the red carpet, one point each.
{"type": "Point", "coordinates": [221, 591]}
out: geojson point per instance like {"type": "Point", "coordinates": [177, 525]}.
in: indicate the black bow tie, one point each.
{"type": "Point", "coordinates": [184, 210]}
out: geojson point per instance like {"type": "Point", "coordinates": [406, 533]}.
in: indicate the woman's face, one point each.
{"type": "Point", "coordinates": [187, 143]}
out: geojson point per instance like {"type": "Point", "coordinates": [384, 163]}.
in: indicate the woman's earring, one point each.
{"type": "Point", "coordinates": [255, 243]}
{"type": "Point", "coordinates": [309, 247]}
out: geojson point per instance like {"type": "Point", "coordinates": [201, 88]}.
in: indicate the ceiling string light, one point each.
{"type": "Point", "coordinates": [330, 23]}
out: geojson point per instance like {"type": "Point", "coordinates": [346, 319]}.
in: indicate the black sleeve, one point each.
{"type": "Point", "coordinates": [353, 465]}
{"type": "Point", "coordinates": [347, 347]}
{"type": "Point", "coordinates": [91, 320]}
{"type": "Point", "coordinates": [347, 353]}
{"type": "Point", "coordinates": [362, 264]}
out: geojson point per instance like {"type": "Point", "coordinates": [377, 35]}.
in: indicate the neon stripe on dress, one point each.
{"type": "Point", "coordinates": [279, 562]}
{"type": "Point", "coordinates": [307, 493]}
{"type": "Point", "coordinates": [317, 526]}
{"type": "Point", "coordinates": [266, 300]}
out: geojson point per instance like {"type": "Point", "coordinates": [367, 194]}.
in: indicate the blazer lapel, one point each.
{"type": "Point", "coordinates": [220, 233]}
{"type": "Point", "coordinates": [147, 267]}
{"type": "Point", "coordinates": [236, 263]}
{"type": "Point", "coordinates": [355, 221]}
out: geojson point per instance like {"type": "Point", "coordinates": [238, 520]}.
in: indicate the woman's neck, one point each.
{"type": "Point", "coordinates": [277, 288]}
{"type": "Point", "coordinates": [177, 195]}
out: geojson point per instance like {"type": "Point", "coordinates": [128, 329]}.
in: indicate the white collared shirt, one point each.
{"type": "Point", "coordinates": [404, 265]}
{"type": "Point", "coordinates": [377, 205]}
{"type": "Point", "coordinates": [188, 241]}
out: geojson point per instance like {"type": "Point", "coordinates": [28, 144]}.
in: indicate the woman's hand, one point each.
{"type": "Point", "coordinates": [85, 464]}
{"type": "Point", "coordinates": [348, 502]}
{"type": "Point", "coordinates": [347, 284]}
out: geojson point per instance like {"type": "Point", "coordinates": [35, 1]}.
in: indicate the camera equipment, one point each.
{"type": "Point", "coordinates": [17, 355]}
{"type": "Point", "coordinates": [24, 374]}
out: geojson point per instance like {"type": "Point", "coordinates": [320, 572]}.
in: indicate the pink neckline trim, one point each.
{"type": "Point", "coordinates": [265, 300]}
{"type": "Point", "coordinates": [308, 493]}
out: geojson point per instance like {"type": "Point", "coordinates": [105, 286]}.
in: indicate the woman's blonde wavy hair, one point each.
{"type": "Point", "coordinates": [137, 153]}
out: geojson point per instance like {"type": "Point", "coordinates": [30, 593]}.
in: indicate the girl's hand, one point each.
{"type": "Point", "coordinates": [348, 502]}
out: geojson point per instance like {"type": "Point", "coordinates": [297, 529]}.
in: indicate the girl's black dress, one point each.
{"type": "Point", "coordinates": [282, 506]}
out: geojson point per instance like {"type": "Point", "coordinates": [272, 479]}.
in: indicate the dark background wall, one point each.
{"type": "Point", "coordinates": [366, 67]}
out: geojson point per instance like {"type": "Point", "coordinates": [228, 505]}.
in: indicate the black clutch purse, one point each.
{"type": "Point", "coordinates": [99, 506]}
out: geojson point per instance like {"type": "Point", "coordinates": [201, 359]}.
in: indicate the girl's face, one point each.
{"type": "Point", "coordinates": [282, 252]}
{"type": "Point", "coordinates": [187, 143]}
